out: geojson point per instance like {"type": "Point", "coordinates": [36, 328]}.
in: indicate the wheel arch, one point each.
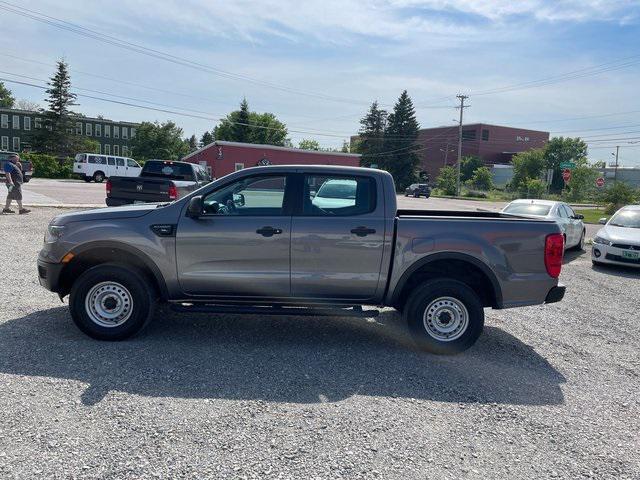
{"type": "Point", "coordinates": [455, 265]}
{"type": "Point", "coordinates": [96, 253]}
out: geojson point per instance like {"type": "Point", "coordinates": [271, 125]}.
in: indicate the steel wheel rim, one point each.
{"type": "Point", "coordinates": [109, 304]}
{"type": "Point", "coordinates": [446, 319]}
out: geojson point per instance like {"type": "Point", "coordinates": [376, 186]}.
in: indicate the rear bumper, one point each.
{"type": "Point", "coordinates": [49, 275]}
{"type": "Point", "coordinates": [116, 202]}
{"type": "Point", "coordinates": [555, 294]}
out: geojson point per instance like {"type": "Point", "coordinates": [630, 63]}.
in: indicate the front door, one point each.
{"type": "Point", "coordinates": [337, 239]}
{"type": "Point", "coordinates": [240, 247]}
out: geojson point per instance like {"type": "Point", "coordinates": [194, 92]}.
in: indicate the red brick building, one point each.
{"type": "Point", "coordinates": [494, 144]}
{"type": "Point", "coordinates": [222, 158]}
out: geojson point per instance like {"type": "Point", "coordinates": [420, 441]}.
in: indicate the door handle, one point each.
{"type": "Point", "coordinates": [269, 231]}
{"type": "Point", "coordinates": [362, 231]}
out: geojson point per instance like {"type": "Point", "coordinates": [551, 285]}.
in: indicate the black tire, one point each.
{"type": "Point", "coordinates": [427, 294]}
{"type": "Point", "coordinates": [98, 177]}
{"type": "Point", "coordinates": [138, 290]}
{"type": "Point", "coordinates": [580, 246]}
{"type": "Point", "coordinates": [416, 195]}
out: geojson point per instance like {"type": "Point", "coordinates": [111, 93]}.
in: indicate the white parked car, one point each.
{"type": "Point", "coordinates": [336, 194]}
{"type": "Point", "coordinates": [570, 223]}
{"type": "Point", "coordinates": [96, 167]}
{"type": "Point", "coordinates": [618, 242]}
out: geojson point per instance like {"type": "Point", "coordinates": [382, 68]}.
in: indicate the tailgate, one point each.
{"type": "Point", "coordinates": [140, 189]}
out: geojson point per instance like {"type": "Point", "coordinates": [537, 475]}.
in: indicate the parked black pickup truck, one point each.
{"type": "Point", "coordinates": [159, 181]}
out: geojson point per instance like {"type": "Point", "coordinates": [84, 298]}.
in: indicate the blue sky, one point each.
{"type": "Point", "coordinates": [354, 52]}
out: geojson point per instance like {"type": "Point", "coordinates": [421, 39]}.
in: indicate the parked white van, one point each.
{"type": "Point", "coordinates": [96, 167]}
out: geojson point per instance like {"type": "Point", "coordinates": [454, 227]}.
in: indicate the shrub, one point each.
{"type": "Point", "coordinates": [49, 166]}
{"type": "Point", "coordinates": [482, 179]}
{"type": "Point", "coordinates": [447, 180]}
{"type": "Point", "coordinates": [618, 195]}
{"type": "Point", "coordinates": [476, 194]}
{"type": "Point", "coordinates": [532, 188]}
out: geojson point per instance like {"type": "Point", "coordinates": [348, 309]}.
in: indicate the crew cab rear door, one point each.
{"type": "Point", "coordinates": [337, 237]}
{"type": "Point", "coordinates": [240, 247]}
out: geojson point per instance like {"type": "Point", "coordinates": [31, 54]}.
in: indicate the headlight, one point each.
{"type": "Point", "coordinates": [54, 233]}
{"type": "Point", "coordinates": [602, 241]}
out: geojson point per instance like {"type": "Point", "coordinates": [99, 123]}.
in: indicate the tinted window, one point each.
{"type": "Point", "coordinates": [485, 134]}
{"type": "Point", "coordinates": [132, 163]}
{"type": "Point", "coordinates": [97, 159]}
{"type": "Point", "coordinates": [111, 160]}
{"type": "Point", "coordinates": [468, 135]}
{"type": "Point", "coordinates": [527, 209]}
{"type": "Point", "coordinates": [172, 170]}
{"type": "Point", "coordinates": [255, 196]}
{"type": "Point", "coordinates": [120, 162]}
{"type": "Point", "coordinates": [338, 195]}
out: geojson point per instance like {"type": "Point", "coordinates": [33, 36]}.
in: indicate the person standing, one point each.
{"type": "Point", "coordinates": [14, 179]}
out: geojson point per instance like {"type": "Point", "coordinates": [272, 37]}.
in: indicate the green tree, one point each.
{"type": "Point", "coordinates": [370, 140]}
{"type": "Point", "coordinates": [447, 180]}
{"type": "Point", "coordinates": [559, 150]}
{"type": "Point", "coordinates": [159, 140]}
{"type": "Point", "coordinates": [192, 143]}
{"type": "Point", "coordinates": [206, 139]}
{"type": "Point", "coordinates": [468, 166]}
{"type": "Point", "coordinates": [399, 142]}
{"type": "Point", "coordinates": [6, 97]}
{"type": "Point", "coordinates": [532, 188]}
{"type": "Point", "coordinates": [241, 129]}
{"type": "Point", "coordinates": [345, 147]}
{"type": "Point", "coordinates": [308, 144]}
{"type": "Point", "coordinates": [582, 184]}
{"type": "Point", "coordinates": [263, 128]}
{"type": "Point", "coordinates": [618, 195]}
{"type": "Point", "coordinates": [481, 179]}
{"type": "Point", "coordinates": [58, 133]}
{"type": "Point", "coordinates": [527, 166]}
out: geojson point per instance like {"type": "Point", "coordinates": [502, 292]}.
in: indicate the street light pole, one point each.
{"type": "Point", "coordinates": [461, 107]}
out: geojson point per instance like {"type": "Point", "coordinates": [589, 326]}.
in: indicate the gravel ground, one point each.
{"type": "Point", "coordinates": [548, 391]}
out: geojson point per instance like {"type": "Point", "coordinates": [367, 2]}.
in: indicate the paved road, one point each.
{"type": "Point", "coordinates": [548, 391]}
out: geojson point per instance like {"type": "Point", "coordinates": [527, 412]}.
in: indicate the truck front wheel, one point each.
{"type": "Point", "coordinates": [111, 302]}
{"type": "Point", "coordinates": [444, 316]}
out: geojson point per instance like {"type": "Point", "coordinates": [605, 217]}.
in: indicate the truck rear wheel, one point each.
{"type": "Point", "coordinates": [444, 316]}
{"type": "Point", "coordinates": [111, 302]}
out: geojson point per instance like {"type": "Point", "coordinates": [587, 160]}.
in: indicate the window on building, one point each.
{"type": "Point", "coordinates": [239, 166]}
{"type": "Point", "coordinates": [468, 134]}
{"type": "Point", "coordinates": [16, 144]}
{"type": "Point", "coordinates": [107, 131]}
{"type": "Point", "coordinates": [98, 129]}
{"type": "Point", "coordinates": [133, 132]}
{"type": "Point", "coordinates": [5, 143]}
{"type": "Point", "coordinates": [4, 122]}
{"type": "Point", "coordinates": [88, 129]}
{"type": "Point", "coordinates": [125, 132]}
{"type": "Point", "coordinates": [125, 150]}
{"type": "Point", "coordinates": [485, 135]}
{"type": "Point", "coordinates": [38, 122]}
{"type": "Point", "coordinates": [99, 149]}
{"type": "Point", "coordinates": [107, 149]}
{"type": "Point", "coordinates": [15, 122]}
{"type": "Point", "coordinates": [116, 149]}
{"type": "Point", "coordinates": [78, 128]}
{"type": "Point", "coordinates": [116, 131]}
{"type": "Point", "coordinates": [27, 123]}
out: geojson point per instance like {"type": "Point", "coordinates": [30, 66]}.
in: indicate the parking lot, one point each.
{"type": "Point", "coordinates": [548, 391]}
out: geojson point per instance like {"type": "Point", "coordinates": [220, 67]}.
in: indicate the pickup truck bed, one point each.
{"type": "Point", "coordinates": [313, 240]}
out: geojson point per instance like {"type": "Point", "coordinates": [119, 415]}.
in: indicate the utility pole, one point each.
{"type": "Point", "coordinates": [461, 107]}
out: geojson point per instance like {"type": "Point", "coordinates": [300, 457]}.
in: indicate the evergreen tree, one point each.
{"type": "Point", "coordinates": [262, 128]}
{"type": "Point", "coordinates": [192, 143]}
{"type": "Point", "coordinates": [371, 135]}
{"type": "Point", "coordinates": [206, 139]}
{"type": "Point", "coordinates": [6, 97]}
{"type": "Point", "coordinates": [241, 129]}
{"type": "Point", "coordinates": [399, 141]}
{"type": "Point", "coordinates": [58, 134]}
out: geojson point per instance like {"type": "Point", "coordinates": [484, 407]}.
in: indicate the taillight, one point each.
{"type": "Point", "coordinates": [108, 187]}
{"type": "Point", "coordinates": [173, 192]}
{"type": "Point", "coordinates": [553, 253]}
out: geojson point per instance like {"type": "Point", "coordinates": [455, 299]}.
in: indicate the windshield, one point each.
{"type": "Point", "coordinates": [528, 209]}
{"type": "Point", "coordinates": [345, 189]}
{"type": "Point", "coordinates": [175, 171]}
{"type": "Point", "coordinates": [626, 218]}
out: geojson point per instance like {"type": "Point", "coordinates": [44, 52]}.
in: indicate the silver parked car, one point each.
{"type": "Point", "coordinates": [570, 223]}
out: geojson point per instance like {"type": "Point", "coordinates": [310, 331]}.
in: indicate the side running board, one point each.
{"type": "Point", "coordinates": [275, 310]}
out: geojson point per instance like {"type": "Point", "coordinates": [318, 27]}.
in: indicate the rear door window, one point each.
{"type": "Point", "coordinates": [338, 195]}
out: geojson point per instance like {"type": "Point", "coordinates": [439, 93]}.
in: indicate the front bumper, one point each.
{"type": "Point", "coordinates": [601, 253]}
{"type": "Point", "coordinates": [555, 294]}
{"type": "Point", "coordinates": [49, 274]}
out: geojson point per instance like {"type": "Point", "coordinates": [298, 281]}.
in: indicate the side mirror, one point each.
{"type": "Point", "coordinates": [603, 221]}
{"type": "Point", "coordinates": [195, 209]}
{"type": "Point", "coordinates": [579, 216]}
{"type": "Point", "coordinates": [238, 199]}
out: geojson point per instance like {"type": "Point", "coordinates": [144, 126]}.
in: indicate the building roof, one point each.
{"type": "Point", "coordinates": [76, 117]}
{"type": "Point", "coordinates": [270, 147]}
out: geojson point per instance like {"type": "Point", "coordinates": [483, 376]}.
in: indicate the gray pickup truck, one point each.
{"type": "Point", "coordinates": [300, 240]}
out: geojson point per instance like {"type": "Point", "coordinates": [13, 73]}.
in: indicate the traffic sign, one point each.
{"type": "Point", "coordinates": [566, 175]}
{"type": "Point", "coordinates": [600, 182]}
{"type": "Point", "coordinates": [567, 165]}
